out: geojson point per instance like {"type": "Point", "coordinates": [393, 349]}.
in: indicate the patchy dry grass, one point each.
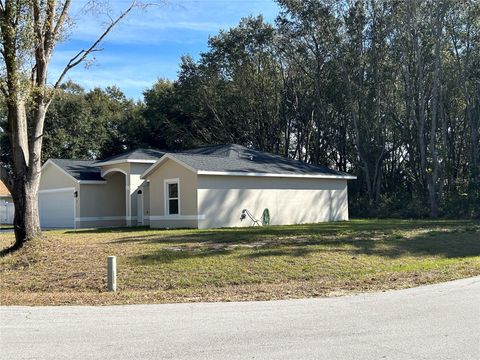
{"type": "Point", "coordinates": [278, 262]}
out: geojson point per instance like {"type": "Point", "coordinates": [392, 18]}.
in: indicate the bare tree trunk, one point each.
{"type": "Point", "coordinates": [421, 109]}
{"type": "Point", "coordinates": [377, 180]}
{"type": "Point", "coordinates": [433, 175]}
{"type": "Point", "coordinates": [45, 25]}
{"type": "Point", "coordinates": [24, 181]}
{"type": "Point", "coordinates": [473, 121]}
{"type": "Point", "coordinates": [365, 167]}
{"type": "Point", "coordinates": [26, 223]}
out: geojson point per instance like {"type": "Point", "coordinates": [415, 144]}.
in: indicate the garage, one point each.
{"type": "Point", "coordinates": [57, 208]}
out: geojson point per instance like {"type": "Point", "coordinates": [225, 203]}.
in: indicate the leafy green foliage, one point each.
{"type": "Point", "coordinates": [89, 125]}
{"type": "Point", "coordinates": [385, 90]}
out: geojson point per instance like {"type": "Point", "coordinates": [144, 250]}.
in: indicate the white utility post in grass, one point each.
{"type": "Point", "coordinates": [112, 273]}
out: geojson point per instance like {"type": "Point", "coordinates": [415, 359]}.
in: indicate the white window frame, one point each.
{"type": "Point", "coordinates": [167, 182]}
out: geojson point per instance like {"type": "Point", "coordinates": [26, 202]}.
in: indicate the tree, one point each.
{"type": "Point", "coordinates": [240, 85]}
{"type": "Point", "coordinates": [166, 125]}
{"type": "Point", "coordinates": [90, 125]}
{"type": "Point", "coordinates": [309, 35]}
{"type": "Point", "coordinates": [30, 30]}
{"type": "Point", "coordinates": [368, 70]}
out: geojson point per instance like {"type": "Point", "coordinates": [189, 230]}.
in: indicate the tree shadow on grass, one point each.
{"type": "Point", "coordinates": [164, 256]}
{"type": "Point", "coordinates": [288, 230]}
{"type": "Point", "coordinates": [292, 252]}
{"type": "Point", "coordinates": [131, 229]}
{"type": "Point", "coordinates": [358, 229]}
{"type": "Point", "coordinates": [448, 244]}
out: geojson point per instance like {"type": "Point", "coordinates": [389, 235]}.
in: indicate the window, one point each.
{"type": "Point", "coordinates": [172, 197]}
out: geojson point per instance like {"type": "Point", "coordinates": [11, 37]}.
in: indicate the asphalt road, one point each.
{"type": "Point", "coordinates": [430, 322]}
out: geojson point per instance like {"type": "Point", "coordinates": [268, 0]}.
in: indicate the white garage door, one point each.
{"type": "Point", "coordinates": [56, 208]}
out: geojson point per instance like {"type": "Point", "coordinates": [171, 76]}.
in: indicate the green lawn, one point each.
{"type": "Point", "coordinates": [68, 267]}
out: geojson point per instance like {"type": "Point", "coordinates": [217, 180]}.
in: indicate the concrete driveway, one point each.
{"type": "Point", "coordinates": [430, 322]}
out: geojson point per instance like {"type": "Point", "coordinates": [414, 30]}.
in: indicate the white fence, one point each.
{"type": "Point", "coordinates": [7, 211]}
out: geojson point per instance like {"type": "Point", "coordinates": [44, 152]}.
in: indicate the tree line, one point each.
{"type": "Point", "coordinates": [386, 90]}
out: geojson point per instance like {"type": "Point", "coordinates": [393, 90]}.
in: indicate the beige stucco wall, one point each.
{"type": "Point", "coordinates": [139, 168]}
{"type": "Point", "coordinates": [122, 166]}
{"type": "Point", "coordinates": [146, 202]}
{"type": "Point", "coordinates": [136, 171]}
{"type": "Point", "coordinates": [221, 200]}
{"type": "Point", "coordinates": [53, 178]}
{"type": "Point", "coordinates": [134, 182]}
{"type": "Point", "coordinates": [103, 201]}
{"type": "Point", "coordinates": [89, 224]}
{"type": "Point", "coordinates": [188, 195]}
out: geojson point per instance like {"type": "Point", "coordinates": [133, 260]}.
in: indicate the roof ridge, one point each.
{"type": "Point", "coordinates": [143, 148]}
{"type": "Point", "coordinates": [125, 155]}
{"type": "Point", "coordinates": [194, 154]}
{"type": "Point", "coordinates": [91, 160]}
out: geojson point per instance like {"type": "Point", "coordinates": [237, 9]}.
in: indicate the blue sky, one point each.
{"type": "Point", "coordinates": [148, 44]}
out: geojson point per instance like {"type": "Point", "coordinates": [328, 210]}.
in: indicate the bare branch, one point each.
{"type": "Point", "coordinates": [48, 27]}
{"type": "Point", "coordinates": [60, 21]}
{"type": "Point", "coordinates": [36, 18]}
{"type": "Point", "coordinates": [82, 54]}
{"type": "Point", "coordinates": [39, 45]}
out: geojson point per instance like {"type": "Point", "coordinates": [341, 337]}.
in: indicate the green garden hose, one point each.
{"type": "Point", "coordinates": [266, 217]}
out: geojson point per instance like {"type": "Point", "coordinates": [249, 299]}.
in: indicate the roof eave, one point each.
{"type": "Point", "coordinates": [114, 162]}
{"type": "Point", "coordinates": [311, 176]}
{"type": "Point", "coordinates": [91, 182]}
{"type": "Point", "coordinates": [238, 173]}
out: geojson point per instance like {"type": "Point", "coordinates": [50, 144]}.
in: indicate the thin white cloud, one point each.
{"type": "Point", "coordinates": [155, 24]}
{"type": "Point", "coordinates": [148, 44]}
{"type": "Point", "coordinates": [130, 76]}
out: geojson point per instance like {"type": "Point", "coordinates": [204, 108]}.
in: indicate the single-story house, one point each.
{"type": "Point", "coordinates": [6, 205]}
{"type": "Point", "coordinates": [215, 186]}
{"type": "Point", "coordinates": [105, 193]}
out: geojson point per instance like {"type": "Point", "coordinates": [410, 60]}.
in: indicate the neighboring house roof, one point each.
{"type": "Point", "coordinates": [138, 155]}
{"type": "Point", "coordinates": [80, 170]}
{"type": "Point", "coordinates": [239, 160]}
{"type": "Point", "coordinates": [4, 191]}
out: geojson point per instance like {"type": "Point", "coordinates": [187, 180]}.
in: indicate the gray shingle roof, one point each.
{"type": "Point", "coordinates": [239, 159]}
{"type": "Point", "coordinates": [219, 150]}
{"type": "Point", "coordinates": [218, 158]}
{"type": "Point", "coordinates": [138, 154]}
{"type": "Point", "coordinates": [80, 169]}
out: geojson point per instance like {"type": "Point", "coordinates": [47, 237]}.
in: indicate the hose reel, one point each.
{"type": "Point", "coordinates": [264, 221]}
